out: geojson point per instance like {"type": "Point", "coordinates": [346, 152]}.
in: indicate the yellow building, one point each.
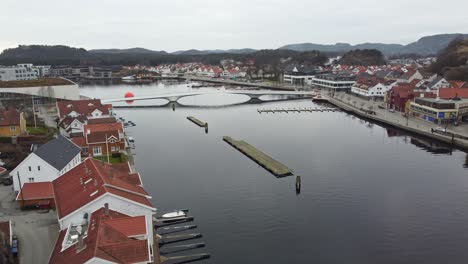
{"type": "Point", "coordinates": [12, 123]}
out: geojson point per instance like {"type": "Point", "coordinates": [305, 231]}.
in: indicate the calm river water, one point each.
{"type": "Point", "coordinates": [369, 194]}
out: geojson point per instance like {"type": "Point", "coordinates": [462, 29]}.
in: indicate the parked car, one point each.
{"type": "Point", "coordinates": [440, 129]}
{"type": "Point", "coordinates": [14, 246]}
{"type": "Point", "coordinates": [7, 181]}
{"type": "Point", "coordinates": [391, 110]}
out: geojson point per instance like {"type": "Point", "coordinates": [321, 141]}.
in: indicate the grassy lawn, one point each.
{"type": "Point", "coordinates": [113, 160]}
{"type": "Point", "coordinates": [37, 130]}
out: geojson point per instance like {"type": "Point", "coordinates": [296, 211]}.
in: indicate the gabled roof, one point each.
{"type": "Point", "coordinates": [9, 117]}
{"type": "Point", "coordinates": [5, 230]}
{"type": "Point", "coordinates": [58, 152]}
{"type": "Point", "coordinates": [82, 107]}
{"type": "Point", "coordinates": [69, 120]}
{"type": "Point", "coordinates": [36, 191]}
{"type": "Point", "coordinates": [109, 237]}
{"type": "Point", "coordinates": [96, 133]}
{"type": "Point", "coordinates": [92, 179]}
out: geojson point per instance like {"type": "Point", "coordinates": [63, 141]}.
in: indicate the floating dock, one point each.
{"type": "Point", "coordinates": [297, 110]}
{"type": "Point", "coordinates": [197, 122]}
{"type": "Point", "coordinates": [267, 162]}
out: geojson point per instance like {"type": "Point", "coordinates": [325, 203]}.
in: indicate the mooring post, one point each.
{"type": "Point", "coordinates": [206, 128]}
{"type": "Point", "coordinates": [298, 184]}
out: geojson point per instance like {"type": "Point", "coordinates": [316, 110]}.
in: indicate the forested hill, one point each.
{"type": "Point", "coordinates": [452, 61]}
{"type": "Point", "coordinates": [365, 57]}
{"type": "Point", "coordinates": [63, 55]}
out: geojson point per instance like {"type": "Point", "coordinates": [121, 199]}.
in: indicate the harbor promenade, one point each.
{"type": "Point", "coordinates": [358, 106]}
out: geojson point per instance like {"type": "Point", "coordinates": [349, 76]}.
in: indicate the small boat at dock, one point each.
{"type": "Point", "coordinates": [319, 98]}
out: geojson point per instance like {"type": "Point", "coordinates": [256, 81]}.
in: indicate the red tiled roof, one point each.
{"type": "Point", "coordinates": [450, 93]}
{"type": "Point", "coordinates": [82, 107]}
{"type": "Point", "coordinates": [129, 226]}
{"type": "Point", "coordinates": [36, 191]}
{"type": "Point", "coordinates": [96, 133]}
{"type": "Point", "coordinates": [79, 141]}
{"type": "Point", "coordinates": [103, 120]}
{"type": "Point", "coordinates": [68, 120]}
{"type": "Point", "coordinates": [108, 238]}
{"type": "Point", "coordinates": [9, 117]}
{"type": "Point", "coordinates": [92, 179]}
{"type": "Point", "coordinates": [456, 84]}
{"type": "Point", "coordinates": [5, 230]}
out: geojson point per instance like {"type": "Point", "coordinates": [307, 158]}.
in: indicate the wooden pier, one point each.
{"type": "Point", "coordinates": [197, 122]}
{"type": "Point", "coordinates": [267, 162]}
{"type": "Point", "coordinates": [296, 110]}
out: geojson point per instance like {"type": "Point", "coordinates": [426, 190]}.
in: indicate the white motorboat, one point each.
{"type": "Point", "coordinates": [175, 214]}
{"type": "Point", "coordinates": [129, 78]}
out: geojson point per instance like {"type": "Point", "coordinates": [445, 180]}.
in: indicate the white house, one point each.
{"type": "Point", "coordinates": [47, 163]}
{"type": "Point", "coordinates": [375, 90]}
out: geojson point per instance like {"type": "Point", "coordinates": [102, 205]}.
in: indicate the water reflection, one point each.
{"type": "Point", "coordinates": [421, 143]}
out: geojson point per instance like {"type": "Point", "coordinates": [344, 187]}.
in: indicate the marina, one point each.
{"type": "Point", "coordinates": [339, 157]}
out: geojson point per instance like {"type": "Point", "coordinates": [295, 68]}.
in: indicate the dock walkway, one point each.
{"type": "Point", "coordinates": [296, 110]}
{"type": "Point", "coordinates": [267, 162]}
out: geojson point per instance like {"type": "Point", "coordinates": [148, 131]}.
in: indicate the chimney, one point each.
{"type": "Point", "coordinates": [106, 209]}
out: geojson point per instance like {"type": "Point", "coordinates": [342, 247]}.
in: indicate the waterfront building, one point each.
{"type": "Point", "coordinates": [103, 139]}
{"type": "Point", "coordinates": [12, 123]}
{"type": "Point", "coordinates": [434, 110]}
{"type": "Point", "coordinates": [107, 237]}
{"type": "Point", "coordinates": [44, 90]}
{"type": "Point", "coordinates": [299, 75]}
{"type": "Point", "coordinates": [371, 87]}
{"type": "Point", "coordinates": [18, 72]}
{"type": "Point", "coordinates": [97, 188]}
{"type": "Point", "coordinates": [47, 163]}
{"type": "Point", "coordinates": [341, 82]}
{"type": "Point", "coordinates": [73, 115]}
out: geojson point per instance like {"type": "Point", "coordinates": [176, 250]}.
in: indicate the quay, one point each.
{"type": "Point", "coordinates": [411, 128]}
{"type": "Point", "coordinates": [197, 121]}
{"type": "Point", "coordinates": [296, 110]}
{"type": "Point", "coordinates": [267, 162]}
{"type": "Point", "coordinates": [271, 86]}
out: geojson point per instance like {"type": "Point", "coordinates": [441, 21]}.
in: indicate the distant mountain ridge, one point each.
{"type": "Point", "coordinates": [131, 50]}
{"type": "Point", "coordinates": [217, 51]}
{"type": "Point", "coordinates": [424, 46]}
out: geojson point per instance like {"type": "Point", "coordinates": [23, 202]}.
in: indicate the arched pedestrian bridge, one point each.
{"type": "Point", "coordinates": [175, 97]}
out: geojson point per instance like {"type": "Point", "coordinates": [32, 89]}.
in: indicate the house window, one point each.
{"type": "Point", "coordinates": [38, 168]}
{"type": "Point", "coordinates": [13, 129]}
{"type": "Point", "coordinates": [115, 148]}
{"type": "Point", "coordinates": [31, 179]}
{"type": "Point", "coordinates": [29, 167]}
{"type": "Point", "coordinates": [97, 151]}
{"type": "Point", "coordinates": [85, 150]}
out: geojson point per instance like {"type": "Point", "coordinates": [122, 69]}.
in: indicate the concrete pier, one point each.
{"type": "Point", "coordinates": [197, 122]}
{"type": "Point", "coordinates": [296, 110]}
{"type": "Point", "coordinates": [267, 162]}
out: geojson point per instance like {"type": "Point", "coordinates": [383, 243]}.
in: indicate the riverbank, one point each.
{"type": "Point", "coordinates": [395, 120]}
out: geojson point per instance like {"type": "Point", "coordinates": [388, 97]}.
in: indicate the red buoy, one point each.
{"type": "Point", "coordinates": [129, 95]}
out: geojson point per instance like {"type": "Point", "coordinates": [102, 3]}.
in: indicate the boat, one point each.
{"type": "Point", "coordinates": [175, 214]}
{"type": "Point", "coordinates": [129, 78]}
{"type": "Point", "coordinates": [131, 140]}
{"type": "Point", "coordinates": [319, 98]}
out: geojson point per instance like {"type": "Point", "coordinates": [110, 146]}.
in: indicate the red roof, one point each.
{"type": "Point", "coordinates": [97, 133]}
{"type": "Point", "coordinates": [79, 141]}
{"type": "Point", "coordinates": [82, 107]}
{"type": "Point", "coordinates": [450, 93]}
{"type": "Point", "coordinates": [92, 179]}
{"type": "Point", "coordinates": [108, 238]}
{"type": "Point", "coordinates": [5, 230]}
{"type": "Point", "coordinates": [456, 84]}
{"type": "Point", "coordinates": [9, 117]}
{"type": "Point", "coordinates": [36, 191]}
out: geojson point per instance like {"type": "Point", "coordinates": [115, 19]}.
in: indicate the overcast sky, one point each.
{"type": "Point", "coordinates": [216, 24]}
